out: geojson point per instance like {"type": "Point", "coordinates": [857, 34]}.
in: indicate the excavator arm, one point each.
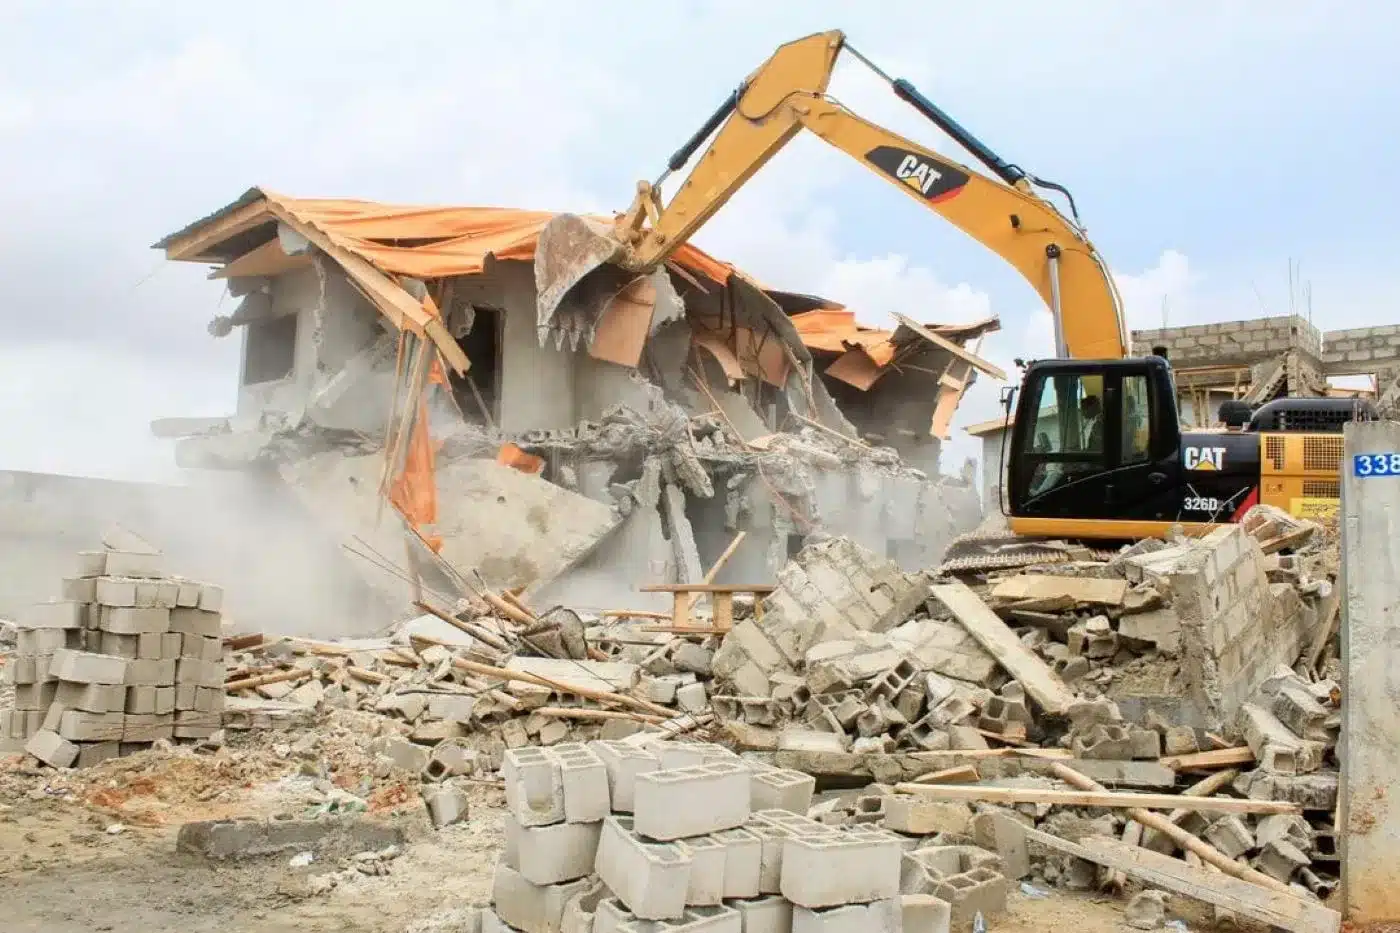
{"type": "Point", "coordinates": [788, 94]}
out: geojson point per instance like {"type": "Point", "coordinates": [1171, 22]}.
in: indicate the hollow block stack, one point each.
{"type": "Point", "coordinates": [129, 655]}
{"type": "Point", "coordinates": [617, 837]}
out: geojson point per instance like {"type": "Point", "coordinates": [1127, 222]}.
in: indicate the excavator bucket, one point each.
{"type": "Point", "coordinates": [570, 248]}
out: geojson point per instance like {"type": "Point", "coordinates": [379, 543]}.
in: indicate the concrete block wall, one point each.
{"type": "Point", "coordinates": [1232, 342]}
{"type": "Point", "coordinates": [1236, 628]}
{"type": "Point", "coordinates": [1361, 349]}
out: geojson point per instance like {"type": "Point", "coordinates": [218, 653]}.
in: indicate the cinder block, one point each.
{"type": "Point", "coordinates": [85, 667]}
{"type": "Point", "coordinates": [924, 913]}
{"type": "Point", "coordinates": [781, 789]}
{"type": "Point", "coordinates": [624, 762]}
{"type": "Point", "coordinates": [115, 591]}
{"type": "Point", "coordinates": [39, 641]}
{"type": "Point", "coordinates": [534, 786]}
{"type": "Point", "coordinates": [132, 564]}
{"type": "Point", "coordinates": [90, 563]}
{"type": "Point", "coordinates": [78, 726]}
{"type": "Point", "coordinates": [132, 620]}
{"type": "Point", "coordinates": [584, 779]}
{"type": "Point", "coordinates": [743, 862]}
{"type": "Point", "coordinates": [768, 914]}
{"type": "Point", "coordinates": [200, 673]}
{"type": "Point", "coordinates": [121, 646]}
{"type": "Point", "coordinates": [980, 890]}
{"type": "Point", "coordinates": [35, 696]}
{"type": "Point", "coordinates": [20, 670]}
{"type": "Point", "coordinates": [531, 908]}
{"type": "Point", "coordinates": [170, 644]}
{"type": "Point", "coordinates": [65, 614]}
{"type": "Point", "coordinates": [211, 597]}
{"type": "Point", "coordinates": [556, 853]}
{"type": "Point", "coordinates": [209, 700]}
{"type": "Point", "coordinates": [706, 855]}
{"type": "Point", "coordinates": [695, 920]}
{"type": "Point", "coordinates": [152, 672]}
{"type": "Point", "coordinates": [195, 622]}
{"type": "Point", "coordinates": [52, 749]}
{"type": "Point", "coordinates": [149, 700]}
{"type": "Point", "coordinates": [770, 866]}
{"type": "Point", "coordinates": [187, 594]}
{"type": "Point", "coordinates": [884, 916]}
{"type": "Point", "coordinates": [192, 724]}
{"type": "Point", "coordinates": [916, 816]}
{"type": "Point", "coordinates": [826, 871]}
{"type": "Point", "coordinates": [674, 755]}
{"type": "Point", "coordinates": [692, 801]}
{"type": "Point", "coordinates": [91, 698]}
{"type": "Point", "coordinates": [610, 915]}
{"type": "Point", "coordinates": [651, 879]}
{"type": "Point", "coordinates": [147, 727]}
{"type": "Point", "coordinates": [91, 753]}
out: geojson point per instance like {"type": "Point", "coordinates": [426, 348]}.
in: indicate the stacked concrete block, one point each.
{"type": "Point", "coordinates": [687, 851]}
{"type": "Point", "coordinates": [129, 656]}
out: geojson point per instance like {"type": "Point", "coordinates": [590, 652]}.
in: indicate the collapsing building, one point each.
{"type": "Point", "coordinates": [395, 352]}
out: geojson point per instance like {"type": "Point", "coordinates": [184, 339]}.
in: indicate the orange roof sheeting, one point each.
{"type": "Point", "coordinates": [462, 237]}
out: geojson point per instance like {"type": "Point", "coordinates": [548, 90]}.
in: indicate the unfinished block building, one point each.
{"type": "Point", "coordinates": [1267, 358]}
{"type": "Point", "coordinates": [396, 352]}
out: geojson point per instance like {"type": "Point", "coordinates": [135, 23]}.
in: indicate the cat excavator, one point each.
{"type": "Point", "coordinates": [1097, 451]}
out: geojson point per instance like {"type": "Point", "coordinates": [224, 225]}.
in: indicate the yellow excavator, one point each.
{"type": "Point", "coordinates": [1096, 450]}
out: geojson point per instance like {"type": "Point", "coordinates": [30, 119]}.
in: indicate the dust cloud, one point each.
{"type": "Point", "coordinates": [281, 572]}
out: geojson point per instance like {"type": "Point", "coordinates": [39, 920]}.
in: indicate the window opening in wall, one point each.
{"type": "Point", "coordinates": [270, 351]}
{"type": "Point", "coordinates": [481, 386]}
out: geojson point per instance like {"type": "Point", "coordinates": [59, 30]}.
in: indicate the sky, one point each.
{"type": "Point", "coordinates": [1207, 145]}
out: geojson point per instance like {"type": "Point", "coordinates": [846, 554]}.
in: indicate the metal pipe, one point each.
{"type": "Point", "coordinates": [1052, 253]}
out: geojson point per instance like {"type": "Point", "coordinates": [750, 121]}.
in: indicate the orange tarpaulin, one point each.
{"type": "Point", "coordinates": [414, 491]}
{"type": "Point", "coordinates": [391, 236]}
{"type": "Point", "coordinates": [835, 330]}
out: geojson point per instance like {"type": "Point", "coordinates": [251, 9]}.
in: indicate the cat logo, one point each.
{"type": "Point", "coordinates": [932, 179]}
{"type": "Point", "coordinates": [917, 173]}
{"type": "Point", "coordinates": [1203, 458]}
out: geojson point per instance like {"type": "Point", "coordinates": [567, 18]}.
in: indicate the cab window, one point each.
{"type": "Point", "coordinates": [1135, 434]}
{"type": "Point", "coordinates": [1067, 435]}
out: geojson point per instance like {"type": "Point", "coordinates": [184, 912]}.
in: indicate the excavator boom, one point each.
{"type": "Point", "coordinates": [788, 94]}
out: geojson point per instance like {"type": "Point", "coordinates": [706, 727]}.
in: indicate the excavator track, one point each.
{"type": "Point", "coordinates": [979, 552]}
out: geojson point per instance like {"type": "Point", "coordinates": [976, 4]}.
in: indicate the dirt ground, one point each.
{"type": "Point", "coordinates": [94, 850]}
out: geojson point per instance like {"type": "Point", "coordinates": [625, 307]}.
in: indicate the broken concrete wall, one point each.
{"type": "Point", "coordinates": [334, 323]}
{"type": "Point", "coordinates": [1236, 627]}
{"type": "Point", "coordinates": [513, 528]}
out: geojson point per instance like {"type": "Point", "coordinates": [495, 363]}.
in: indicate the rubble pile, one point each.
{"type": "Point", "coordinates": [1017, 725]}
{"type": "Point", "coordinates": [130, 655]}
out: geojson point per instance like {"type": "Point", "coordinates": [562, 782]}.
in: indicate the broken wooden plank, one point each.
{"type": "Point", "coordinates": [978, 793]}
{"type": "Point", "coordinates": [1216, 758]}
{"type": "Point", "coordinates": [949, 775]}
{"type": "Point", "coordinates": [1285, 911]}
{"type": "Point", "coordinates": [957, 350]}
{"type": "Point", "coordinates": [1093, 590]}
{"type": "Point", "coordinates": [1041, 683]}
{"type": "Point", "coordinates": [1193, 846]}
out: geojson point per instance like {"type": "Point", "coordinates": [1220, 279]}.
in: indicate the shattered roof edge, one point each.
{"type": "Point", "coordinates": [251, 196]}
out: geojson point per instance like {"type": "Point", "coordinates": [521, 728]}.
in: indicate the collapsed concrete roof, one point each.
{"type": "Point", "coordinates": [263, 233]}
{"type": "Point", "coordinates": [670, 411]}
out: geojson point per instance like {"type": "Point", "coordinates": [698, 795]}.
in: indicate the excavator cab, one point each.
{"type": "Point", "coordinates": [1095, 440]}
